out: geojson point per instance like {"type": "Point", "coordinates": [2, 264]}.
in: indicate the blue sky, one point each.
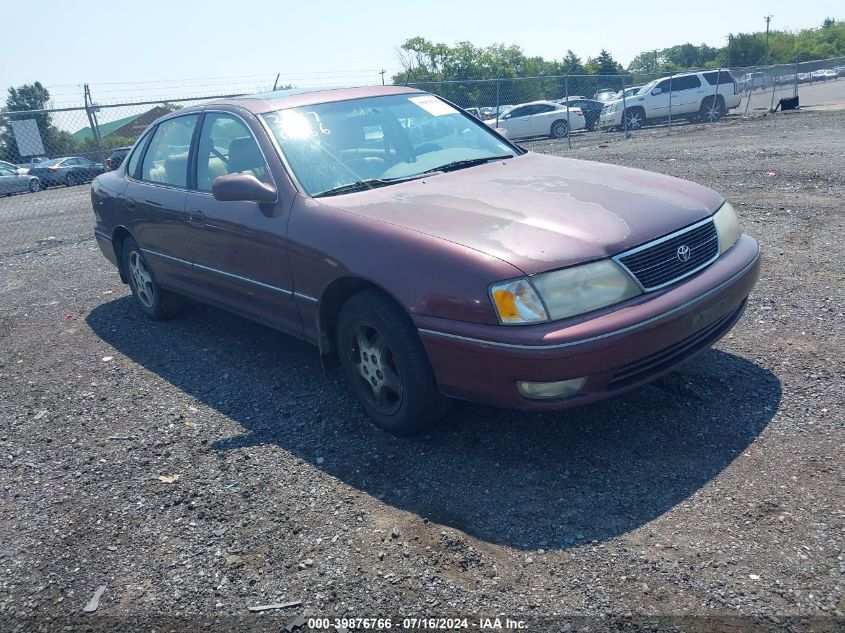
{"type": "Point", "coordinates": [155, 48]}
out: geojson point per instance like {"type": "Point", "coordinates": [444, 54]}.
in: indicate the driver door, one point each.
{"type": "Point", "coordinates": [657, 105]}
{"type": "Point", "coordinates": [239, 247]}
{"type": "Point", "coordinates": [518, 122]}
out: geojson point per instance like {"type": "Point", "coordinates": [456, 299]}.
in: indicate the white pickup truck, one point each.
{"type": "Point", "coordinates": [706, 96]}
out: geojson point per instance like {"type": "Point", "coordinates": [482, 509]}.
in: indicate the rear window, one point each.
{"type": "Point", "coordinates": [724, 77]}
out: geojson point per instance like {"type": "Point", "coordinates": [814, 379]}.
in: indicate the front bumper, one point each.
{"type": "Point", "coordinates": [610, 119]}
{"type": "Point", "coordinates": [617, 348]}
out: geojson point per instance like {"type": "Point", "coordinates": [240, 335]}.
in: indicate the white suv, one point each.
{"type": "Point", "coordinates": [706, 96]}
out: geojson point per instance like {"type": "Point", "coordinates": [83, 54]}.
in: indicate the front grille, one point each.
{"type": "Point", "coordinates": [669, 356]}
{"type": "Point", "coordinates": [658, 264]}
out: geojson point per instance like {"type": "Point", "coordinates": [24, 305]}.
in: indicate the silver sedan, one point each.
{"type": "Point", "coordinates": [13, 182]}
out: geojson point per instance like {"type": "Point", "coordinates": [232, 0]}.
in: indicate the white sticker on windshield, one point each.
{"type": "Point", "coordinates": [433, 105]}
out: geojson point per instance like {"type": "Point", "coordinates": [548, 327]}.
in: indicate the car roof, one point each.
{"type": "Point", "coordinates": [295, 97]}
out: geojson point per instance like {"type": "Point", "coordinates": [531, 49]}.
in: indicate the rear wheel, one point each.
{"type": "Point", "coordinates": [634, 119]}
{"type": "Point", "coordinates": [71, 180]}
{"type": "Point", "coordinates": [34, 185]}
{"type": "Point", "coordinates": [155, 301]}
{"type": "Point", "coordinates": [385, 365]}
{"type": "Point", "coordinates": [712, 110]}
{"type": "Point", "coordinates": [559, 129]}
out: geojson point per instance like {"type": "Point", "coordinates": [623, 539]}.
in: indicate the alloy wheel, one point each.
{"type": "Point", "coordinates": [712, 112]}
{"type": "Point", "coordinates": [378, 372]}
{"type": "Point", "coordinates": [144, 289]}
{"type": "Point", "coordinates": [634, 119]}
{"type": "Point", "coordinates": [559, 129]}
{"type": "Point", "coordinates": [34, 185]}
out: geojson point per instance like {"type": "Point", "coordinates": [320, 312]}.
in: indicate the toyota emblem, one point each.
{"type": "Point", "coordinates": [683, 253]}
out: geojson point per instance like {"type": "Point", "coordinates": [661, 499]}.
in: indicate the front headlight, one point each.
{"type": "Point", "coordinates": [584, 288]}
{"type": "Point", "coordinates": [562, 293]}
{"type": "Point", "coordinates": [727, 226]}
{"type": "Point", "coordinates": [517, 302]}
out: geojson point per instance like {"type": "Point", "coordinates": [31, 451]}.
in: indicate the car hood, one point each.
{"type": "Point", "coordinates": [539, 212]}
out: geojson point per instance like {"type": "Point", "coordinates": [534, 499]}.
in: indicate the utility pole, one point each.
{"type": "Point", "coordinates": [382, 75]}
{"type": "Point", "coordinates": [768, 19]}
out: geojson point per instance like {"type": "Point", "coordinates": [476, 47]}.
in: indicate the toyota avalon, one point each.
{"type": "Point", "coordinates": [423, 252]}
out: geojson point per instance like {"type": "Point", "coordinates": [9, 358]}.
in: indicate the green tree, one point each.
{"type": "Point", "coordinates": [571, 64]}
{"type": "Point", "coordinates": [604, 64]}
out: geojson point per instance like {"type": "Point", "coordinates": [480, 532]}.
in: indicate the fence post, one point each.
{"type": "Point", "coordinates": [795, 92]}
{"type": "Point", "coordinates": [774, 88]}
{"type": "Point", "coordinates": [624, 108]}
{"type": "Point", "coordinates": [497, 101]}
{"type": "Point", "coordinates": [568, 127]}
{"type": "Point", "coordinates": [91, 111]}
{"type": "Point", "coordinates": [716, 93]}
{"type": "Point", "coordinates": [671, 74]}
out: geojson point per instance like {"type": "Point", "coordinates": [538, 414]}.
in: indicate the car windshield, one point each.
{"type": "Point", "coordinates": [333, 147]}
{"type": "Point", "coordinates": [51, 162]}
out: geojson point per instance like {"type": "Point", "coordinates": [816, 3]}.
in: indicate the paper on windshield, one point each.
{"type": "Point", "coordinates": [433, 105]}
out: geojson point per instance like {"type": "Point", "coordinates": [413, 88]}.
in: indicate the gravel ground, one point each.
{"type": "Point", "coordinates": [203, 465]}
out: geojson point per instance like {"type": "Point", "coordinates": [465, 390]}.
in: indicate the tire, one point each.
{"type": "Point", "coordinates": [385, 365]}
{"type": "Point", "coordinates": [34, 185]}
{"type": "Point", "coordinates": [633, 119]}
{"type": "Point", "coordinates": [559, 129]}
{"type": "Point", "coordinates": [156, 302]}
{"type": "Point", "coordinates": [71, 180]}
{"type": "Point", "coordinates": [711, 110]}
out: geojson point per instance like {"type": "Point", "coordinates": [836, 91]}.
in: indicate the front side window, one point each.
{"type": "Point", "coordinates": [331, 147]}
{"type": "Point", "coordinates": [226, 146]}
{"type": "Point", "coordinates": [166, 159]}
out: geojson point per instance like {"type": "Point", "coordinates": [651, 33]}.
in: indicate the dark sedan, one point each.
{"type": "Point", "coordinates": [68, 171]}
{"type": "Point", "coordinates": [590, 107]}
{"type": "Point", "coordinates": [421, 251]}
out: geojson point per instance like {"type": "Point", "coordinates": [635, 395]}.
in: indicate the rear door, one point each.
{"type": "Point", "coordinates": [155, 203]}
{"type": "Point", "coordinates": [542, 118]}
{"type": "Point", "coordinates": [687, 94]}
{"type": "Point", "coordinates": [240, 249]}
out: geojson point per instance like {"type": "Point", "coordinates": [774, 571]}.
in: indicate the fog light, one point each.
{"type": "Point", "coordinates": [560, 389]}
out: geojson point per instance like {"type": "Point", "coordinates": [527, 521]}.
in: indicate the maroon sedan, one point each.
{"type": "Point", "coordinates": [423, 252]}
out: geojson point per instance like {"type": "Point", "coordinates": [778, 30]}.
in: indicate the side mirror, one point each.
{"type": "Point", "coordinates": [242, 187]}
{"type": "Point", "coordinates": [502, 131]}
{"type": "Point", "coordinates": [656, 91]}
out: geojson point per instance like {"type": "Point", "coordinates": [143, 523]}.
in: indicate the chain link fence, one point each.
{"type": "Point", "coordinates": [48, 157]}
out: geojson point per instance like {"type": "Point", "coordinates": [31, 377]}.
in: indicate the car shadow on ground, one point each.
{"type": "Point", "coordinates": [524, 480]}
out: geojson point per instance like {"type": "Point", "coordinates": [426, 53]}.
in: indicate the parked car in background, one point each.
{"type": "Point", "coordinates": [476, 112]}
{"type": "Point", "coordinates": [68, 171]}
{"type": "Point", "coordinates": [840, 71]}
{"type": "Point", "coordinates": [539, 118]}
{"type": "Point", "coordinates": [705, 96]}
{"type": "Point", "coordinates": [15, 168]}
{"type": "Point", "coordinates": [605, 94]}
{"type": "Point", "coordinates": [117, 156]}
{"type": "Point", "coordinates": [425, 267]}
{"type": "Point", "coordinates": [752, 81]}
{"type": "Point", "coordinates": [804, 78]}
{"type": "Point", "coordinates": [591, 108]}
{"type": "Point", "coordinates": [628, 92]}
{"type": "Point", "coordinates": [13, 182]}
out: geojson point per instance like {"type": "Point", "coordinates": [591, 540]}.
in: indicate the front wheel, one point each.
{"type": "Point", "coordinates": [156, 302]}
{"type": "Point", "coordinates": [559, 129]}
{"type": "Point", "coordinates": [385, 365]}
{"type": "Point", "coordinates": [634, 119]}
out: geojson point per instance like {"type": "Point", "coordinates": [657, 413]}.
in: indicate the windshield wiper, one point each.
{"type": "Point", "coordinates": [467, 162]}
{"type": "Point", "coordinates": [361, 185]}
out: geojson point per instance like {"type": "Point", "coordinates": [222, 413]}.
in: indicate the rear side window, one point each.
{"type": "Point", "coordinates": [132, 165]}
{"type": "Point", "coordinates": [166, 158]}
{"type": "Point", "coordinates": [687, 82]}
{"type": "Point", "coordinates": [724, 77]}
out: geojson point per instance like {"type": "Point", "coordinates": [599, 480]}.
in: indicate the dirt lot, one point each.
{"type": "Point", "coordinates": [717, 491]}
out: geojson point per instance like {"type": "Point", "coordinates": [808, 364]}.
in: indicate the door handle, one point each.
{"type": "Point", "coordinates": [196, 217]}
